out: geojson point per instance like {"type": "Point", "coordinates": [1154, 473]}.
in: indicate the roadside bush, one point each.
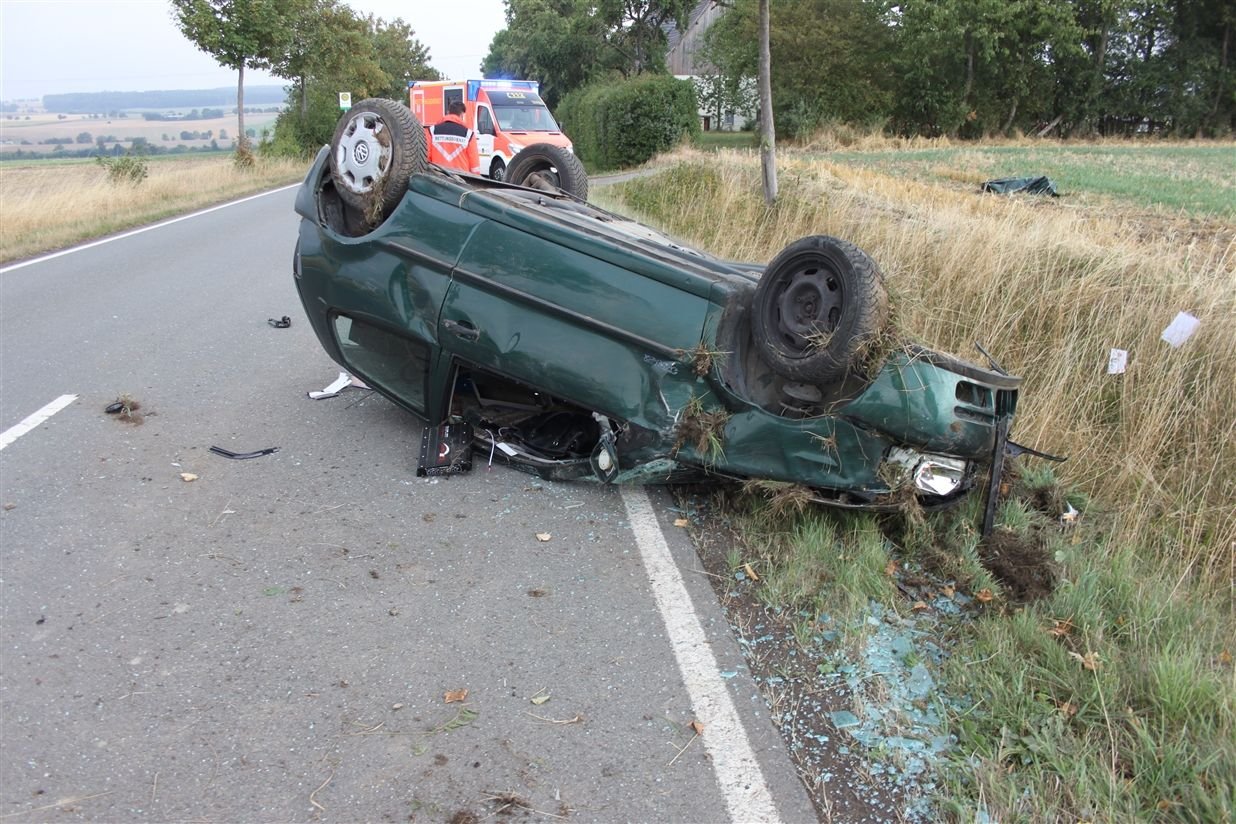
{"type": "Point", "coordinates": [622, 123]}
{"type": "Point", "coordinates": [298, 133]}
{"type": "Point", "coordinates": [128, 168]}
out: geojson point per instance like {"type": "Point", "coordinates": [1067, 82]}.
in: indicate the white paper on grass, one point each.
{"type": "Point", "coordinates": [1180, 329]}
{"type": "Point", "coordinates": [1117, 361]}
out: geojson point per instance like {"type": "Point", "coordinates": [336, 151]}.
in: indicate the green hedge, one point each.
{"type": "Point", "coordinates": [620, 123]}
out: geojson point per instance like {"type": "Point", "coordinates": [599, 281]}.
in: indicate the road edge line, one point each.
{"type": "Point", "coordinates": [737, 770]}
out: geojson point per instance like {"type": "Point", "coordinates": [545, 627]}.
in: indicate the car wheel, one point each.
{"type": "Point", "coordinates": [549, 167]}
{"type": "Point", "coordinates": [497, 170]}
{"type": "Point", "coordinates": [377, 145]}
{"type": "Point", "coordinates": [818, 307]}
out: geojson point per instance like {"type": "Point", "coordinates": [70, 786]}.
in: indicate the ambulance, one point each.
{"type": "Point", "coordinates": [506, 115]}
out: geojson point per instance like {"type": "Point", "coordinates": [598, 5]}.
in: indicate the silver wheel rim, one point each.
{"type": "Point", "coordinates": [364, 153]}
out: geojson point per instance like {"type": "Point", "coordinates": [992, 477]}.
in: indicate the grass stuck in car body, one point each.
{"type": "Point", "coordinates": [1089, 672]}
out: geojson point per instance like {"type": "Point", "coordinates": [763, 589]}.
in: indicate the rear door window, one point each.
{"type": "Point", "coordinates": [396, 363]}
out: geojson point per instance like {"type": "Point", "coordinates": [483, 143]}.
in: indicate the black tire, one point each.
{"type": "Point", "coordinates": [497, 170]}
{"type": "Point", "coordinates": [549, 167]}
{"type": "Point", "coordinates": [818, 309]}
{"type": "Point", "coordinates": [377, 146]}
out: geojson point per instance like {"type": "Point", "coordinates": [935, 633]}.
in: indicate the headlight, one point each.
{"type": "Point", "coordinates": [933, 474]}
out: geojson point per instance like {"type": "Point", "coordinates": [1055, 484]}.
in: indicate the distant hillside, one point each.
{"type": "Point", "coordinates": [92, 102]}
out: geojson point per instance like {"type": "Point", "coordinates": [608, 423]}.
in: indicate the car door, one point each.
{"type": "Point", "coordinates": [380, 294]}
{"type": "Point", "coordinates": [484, 138]}
{"type": "Point", "coordinates": [575, 316]}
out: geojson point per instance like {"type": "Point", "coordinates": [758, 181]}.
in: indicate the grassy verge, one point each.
{"type": "Point", "coordinates": [1104, 688]}
{"type": "Point", "coordinates": [726, 140]}
{"type": "Point", "coordinates": [49, 205]}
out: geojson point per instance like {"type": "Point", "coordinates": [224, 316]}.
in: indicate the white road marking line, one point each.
{"type": "Point", "coordinates": [14, 432]}
{"type": "Point", "coordinates": [158, 225]}
{"type": "Point", "coordinates": [738, 772]}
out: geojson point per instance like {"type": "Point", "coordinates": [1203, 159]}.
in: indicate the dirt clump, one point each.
{"type": "Point", "coordinates": [1021, 562]}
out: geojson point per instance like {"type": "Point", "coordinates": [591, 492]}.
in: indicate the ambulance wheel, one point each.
{"type": "Point", "coordinates": [377, 145]}
{"type": "Point", "coordinates": [549, 167]}
{"type": "Point", "coordinates": [497, 170]}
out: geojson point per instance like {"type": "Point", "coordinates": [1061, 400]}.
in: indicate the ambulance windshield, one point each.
{"type": "Point", "coordinates": [518, 111]}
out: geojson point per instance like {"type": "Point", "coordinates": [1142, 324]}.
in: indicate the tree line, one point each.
{"type": "Point", "coordinates": [963, 68]}
{"type": "Point", "coordinates": [321, 47]}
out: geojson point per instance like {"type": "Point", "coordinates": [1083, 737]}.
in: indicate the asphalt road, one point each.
{"type": "Point", "coordinates": [273, 641]}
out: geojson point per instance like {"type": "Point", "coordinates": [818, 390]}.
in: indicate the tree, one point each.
{"type": "Point", "coordinates": [566, 43]}
{"type": "Point", "coordinates": [636, 29]}
{"type": "Point", "coordinates": [239, 34]}
{"type": "Point", "coordinates": [559, 43]}
{"type": "Point", "coordinates": [329, 41]}
{"type": "Point", "coordinates": [335, 50]}
{"type": "Point", "coordinates": [400, 56]}
{"type": "Point", "coordinates": [829, 59]}
{"type": "Point", "coordinates": [768, 139]}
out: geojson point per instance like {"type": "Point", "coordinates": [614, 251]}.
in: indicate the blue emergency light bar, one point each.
{"type": "Point", "coordinates": [474, 86]}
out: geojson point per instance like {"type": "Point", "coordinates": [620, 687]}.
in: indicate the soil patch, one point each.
{"type": "Point", "coordinates": [1021, 562]}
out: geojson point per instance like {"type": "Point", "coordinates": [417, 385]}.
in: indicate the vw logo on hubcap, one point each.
{"type": "Point", "coordinates": [361, 153]}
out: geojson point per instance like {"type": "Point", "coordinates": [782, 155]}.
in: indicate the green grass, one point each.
{"type": "Point", "coordinates": [1148, 734]}
{"type": "Point", "coordinates": [1126, 712]}
{"type": "Point", "coordinates": [710, 141]}
{"type": "Point", "coordinates": [1195, 179]}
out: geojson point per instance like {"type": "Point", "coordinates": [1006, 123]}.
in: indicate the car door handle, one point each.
{"type": "Point", "coordinates": [461, 329]}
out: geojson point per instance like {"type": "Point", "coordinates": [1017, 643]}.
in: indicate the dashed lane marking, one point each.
{"type": "Point", "coordinates": [32, 421]}
{"type": "Point", "coordinates": [738, 772]}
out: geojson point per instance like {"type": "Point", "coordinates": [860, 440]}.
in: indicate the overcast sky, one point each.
{"type": "Point", "coordinates": [56, 46]}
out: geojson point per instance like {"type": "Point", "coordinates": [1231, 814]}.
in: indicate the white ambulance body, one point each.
{"type": "Point", "coordinates": [506, 115]}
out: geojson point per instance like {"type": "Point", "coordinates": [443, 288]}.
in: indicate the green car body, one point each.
{"type": "Point", "coordinates": [469, 281]}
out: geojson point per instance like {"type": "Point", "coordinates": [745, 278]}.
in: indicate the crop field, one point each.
{"type": "Point", "coordinates": [41, 127]}
{"type": "Point", "coordinates": [1194, 179]}
{"type": "Point", "coordinates": [1090, 670]}
{"type": "Point", "coordinates": [50, 204]}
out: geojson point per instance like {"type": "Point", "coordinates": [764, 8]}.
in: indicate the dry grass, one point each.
{"type": "Point", "coordinates": [1049, 288]}
{"type": "Point", "coordinates": [45, 206]}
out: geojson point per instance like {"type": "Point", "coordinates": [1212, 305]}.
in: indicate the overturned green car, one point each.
{"type": "Point", "coordinates": [582, 345]}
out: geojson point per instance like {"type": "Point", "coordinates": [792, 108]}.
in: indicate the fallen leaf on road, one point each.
{"type": "Point", "coordinates": [543, 536]}
{"type": "Point", "coordinates": [188, 477]}
{"type": "Point", "coordinates": [540, 698]}
{"type": "Point", "coordinates": [697, 726]}
{"type": "Point", "coordinates": [454, 696]}
{"type": "Point", "coordinates": [681, 522]}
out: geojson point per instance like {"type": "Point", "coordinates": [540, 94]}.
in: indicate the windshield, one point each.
{"type": "Point", "coordinates": [518, 111]}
